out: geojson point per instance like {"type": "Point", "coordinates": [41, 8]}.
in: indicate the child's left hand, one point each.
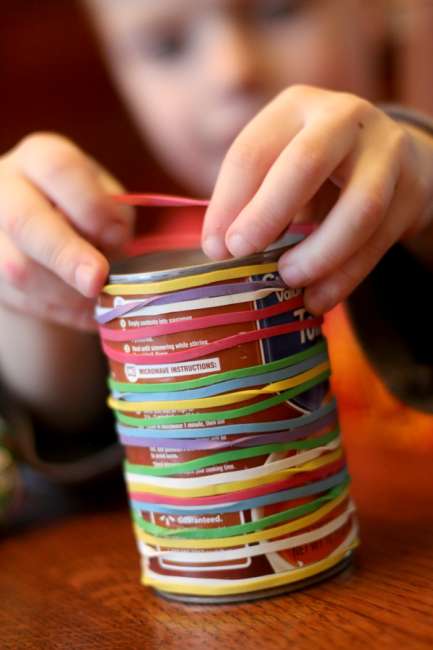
{"type": "Point", "coordinates": [286, 156]}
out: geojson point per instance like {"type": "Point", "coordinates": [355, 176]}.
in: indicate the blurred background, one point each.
{"type": "Point", "coordinates": [53, 78]}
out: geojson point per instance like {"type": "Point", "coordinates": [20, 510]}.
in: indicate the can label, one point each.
{"type": "Point", "coordinates": [244, 355]}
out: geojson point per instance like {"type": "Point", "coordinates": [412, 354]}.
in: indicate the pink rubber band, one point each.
{"type": "Point", "coordinates": [240, 495]}
{"type": "Point", "coordinates": [210, 348]}
{"type": "Point", "coordinates": [201, 323]}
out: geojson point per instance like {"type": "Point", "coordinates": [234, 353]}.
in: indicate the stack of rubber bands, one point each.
{"type": "Point", "coordinates": [219, 384]}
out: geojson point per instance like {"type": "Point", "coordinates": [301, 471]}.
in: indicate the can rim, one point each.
{"type": "Point", "coordinates": [165, 264]}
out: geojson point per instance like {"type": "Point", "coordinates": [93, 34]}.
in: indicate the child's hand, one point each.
{"type": "Point", "coordinates": [281, 160]}
{"type": "Point", "coordinates": [53, 198]}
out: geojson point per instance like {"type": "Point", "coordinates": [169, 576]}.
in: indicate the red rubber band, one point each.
{"type": "Point", "coordinates": [159, 201]}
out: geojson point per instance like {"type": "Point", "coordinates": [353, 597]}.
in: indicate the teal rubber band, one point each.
{"type": "Point", "coordinates": [241, 529]}
{"type": "Point", "coordinates": [224, 415]}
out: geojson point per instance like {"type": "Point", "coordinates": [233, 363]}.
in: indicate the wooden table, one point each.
{"type": "Point", "coordinates": [72, 581]}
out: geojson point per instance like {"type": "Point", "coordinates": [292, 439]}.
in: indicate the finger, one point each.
{"type": "Point", "coordinates": [77, 185]}
{"type": "Point", "coordinates": [243, 170]}
{"type": "Point", "coordinates": [41, 233]}
{"type": "Point", "coordinates": [296, 176]}
{"type": "Point", "coordinates": [352, 221]}
{"type": "Point", "coordinates": [34, 281]}
{"type": "Point", "coordinates": [80, 319]}
{"type": "Point", "coordinates": [323, 295]}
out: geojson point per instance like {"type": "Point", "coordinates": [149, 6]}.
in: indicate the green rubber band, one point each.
{"type": "Point", "coordinates": [224, 415]}
{"type": "Point", "coordinates": [241, 529]}
{"type": "Point", "coordinates": [228, 456]}
{"type": "Point", "coordinates": [214, 379]}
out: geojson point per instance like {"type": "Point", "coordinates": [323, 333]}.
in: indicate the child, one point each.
{"type": "Point", "coordinates": [283, 86]}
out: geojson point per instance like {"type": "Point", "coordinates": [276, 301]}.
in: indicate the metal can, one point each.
{"type": "Point", "coordinates": [239, 571]}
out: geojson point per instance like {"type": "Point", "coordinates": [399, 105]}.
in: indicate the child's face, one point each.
{"type": "Point", "coordinates": [195, 72]}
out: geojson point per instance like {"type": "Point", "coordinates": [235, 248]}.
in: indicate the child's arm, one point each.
{"type": "Point", "coordinates": [303, 141]}
{"type": "Point", "coordinates": [54, 216]}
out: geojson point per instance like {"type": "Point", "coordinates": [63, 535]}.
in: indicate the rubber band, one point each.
{"type": "Point", "coordinates": [226, 387]}
{"type": "Point", "coordinates": [216, 346]}
{"type": "Point", "coordinates": [292, 481]}
{"type": "Point", "coordinates": [229, 456]}
{"type": "Point", "coordinates": [242, 540]}
{"type": "Point", "coordinates": [247, 504]}
{"type": "Point", "coordinates": [193, 297]}
{"type": "Point", "coordinates": [159, 200]}
{"type": "Point", "coordinates": [240, 529]}
{"type": "Point", "coordinates": [202, 444]}
{"type": "Point", "coordinates": [203, 322]}
{"type": "Point", "coordinates": [215, 491]}
{"type": "Point", "coordinates": [263, 548]}
{"type": "Point", "coordinates": [189, 281]}
{"type": "Point", "coordinates": [153, 310]}
{"type": "Point", "coordinates": [240, 412]}
{"type": "Point", "coordinates": [211, 379]}
{"type": "Point", "coordinates": [219, 400]}
{"type": "Point", "coordinates": [218, 483]}
{"type": "Point", "coordinates": [191, 586]}
{"type": "Point", "coordinates": [231, 429]}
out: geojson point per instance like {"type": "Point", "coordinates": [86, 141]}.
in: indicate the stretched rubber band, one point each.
{"type": "Point", "coordinates": [192, 296]}
{"type": "Point", "coordinates": [190, 586]}
{"type": "Point", "coordinates": [231, 429]}
{"type": "Point", "coordinates": [211, 379]}
{"type": "Point", "coordinates": [240, 412]}
{"type": "Point", "coordinates": [295, 480]}
{"type": "Point", "coordinates": [159, 200]}
{"type": "Point", "coordinates": [187, 282]}
{"type": "Point", "coordinates": [203, 322]}
{"type": "Point", "coordinates": [219, 400]}
{"type": "Point", "coordinates": [228, 456]}
{"type": "Point", "coordinates": [216, 346]}
{"type": "Point", "coordinates": [240, 529]}
{"type": "Point", "coordinates": [151, 312]}
{"type": "Point", "coordinates": [201, 444]}
{"type": "Point", "coordinates": [241, 540]}
{"type": "Point", "coordinates": [263, 548]}
{"type": "Point", "coordinates": [247, 504]}
{"type": "Point", "coordinates": [217, 483]}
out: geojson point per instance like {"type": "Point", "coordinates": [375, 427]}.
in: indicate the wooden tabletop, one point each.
{"type": "Point", "coordinates": [72, 581]}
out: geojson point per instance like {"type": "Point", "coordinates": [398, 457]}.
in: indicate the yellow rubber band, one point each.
{"type": "Point", "coordinates": [223, 488]}
{"type": "Point", "coordinates": [164, 286]}
{"type": "Point", "coordinates": [219, 400]}
{"type": "Point", "coordinates": [240, 540]}
{"type": "Point", "coordinates": [250, 584]}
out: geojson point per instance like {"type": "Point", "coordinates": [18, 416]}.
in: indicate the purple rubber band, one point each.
{"type": "Point", "coordinates": [247, 441]}
{"type": "Point", "coordinates": [212, 291]}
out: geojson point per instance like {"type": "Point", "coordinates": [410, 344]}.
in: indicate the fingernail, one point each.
{"type": "Point", "coordinates": [85, 277]}
{"type": "Point", "coordinates": [292, 275]}
{"type": "Point", "coordinates": [115, 234]}
{"type": "Point", "coordinates": [214, 247]}
{"type": "Point", "coordinates": [238, 246]}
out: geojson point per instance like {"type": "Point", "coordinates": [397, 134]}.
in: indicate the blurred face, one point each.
{"type": "Point", "coordinates": [195, 72]}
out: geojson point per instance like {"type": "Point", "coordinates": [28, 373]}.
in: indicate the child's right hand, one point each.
{"type": "Point", "coordinates": [55, 218]}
